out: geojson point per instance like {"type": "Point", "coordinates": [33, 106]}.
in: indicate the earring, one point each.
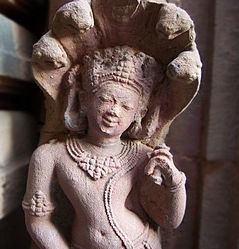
{"type": "Point", "coordinates": [136, 127]}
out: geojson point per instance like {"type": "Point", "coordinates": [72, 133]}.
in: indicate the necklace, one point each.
{"type": "Point", "coordinates": [98, 166]}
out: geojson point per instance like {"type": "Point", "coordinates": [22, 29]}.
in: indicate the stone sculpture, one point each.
{"type": "Point", "coordinates": [115, 74]}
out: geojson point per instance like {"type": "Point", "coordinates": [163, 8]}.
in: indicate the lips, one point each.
{"type": "Point", "coordinates": [110, 121]}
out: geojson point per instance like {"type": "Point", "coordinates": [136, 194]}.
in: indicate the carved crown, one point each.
{"type": "Point", "coordinates": [124, 65]}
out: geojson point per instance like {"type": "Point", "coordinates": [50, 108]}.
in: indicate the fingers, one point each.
{"type": "Point", "coordinates": [162, 151]}
{"type": "Point", "coordinates": [160, 160]}
{"type": "Point", "coordinates": [149, 169]}
{"type": "Point", "coordinates": [163, 145]}
{"type": "Point", "coordinates": [161, 168]}
{"type": "Point", "coordinates": [153, 172]}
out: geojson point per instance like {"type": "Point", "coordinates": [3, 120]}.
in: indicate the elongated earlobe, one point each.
{"type": "Point", "coordinates": [75, 106]}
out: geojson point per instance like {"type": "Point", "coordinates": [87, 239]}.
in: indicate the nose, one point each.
{"type": "Point", "coordinates": [115, 110]}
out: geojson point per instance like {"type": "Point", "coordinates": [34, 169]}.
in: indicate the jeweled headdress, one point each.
{"type": "Point", "coordinates": [123, 65]}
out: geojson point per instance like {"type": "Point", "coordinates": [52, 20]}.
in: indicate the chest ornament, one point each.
{"type": "Point", "coordinates": [99, 166]}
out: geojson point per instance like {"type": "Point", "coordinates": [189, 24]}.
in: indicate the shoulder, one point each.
{"type": "Point", "coordinates": [46, 154]}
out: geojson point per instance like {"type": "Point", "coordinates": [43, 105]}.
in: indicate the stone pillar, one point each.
{"type": "Point", "coordinates": [188, 132]}
{"type": "Point", "coordinates": [220, 172]}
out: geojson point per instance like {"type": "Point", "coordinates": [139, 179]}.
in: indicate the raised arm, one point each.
{"type": "Point", "coordinates": [38, 202]}
{"type": "Point", "coordinates": [162, 193]}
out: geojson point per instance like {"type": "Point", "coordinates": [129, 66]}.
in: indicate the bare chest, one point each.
{"type": "Point", "coordinates": [88, 180]}
{"type": "Point", "coordinates": [86, 193]}
{"type": "Point", "coordinates": [101, 203]}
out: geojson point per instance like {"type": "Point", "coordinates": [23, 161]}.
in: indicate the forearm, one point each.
{"type": "Point", "coordinates": [164, 204]}
{"type": "Point", "coordinates": [45, 234]}
{"type": "Point", "coordinates": [174, 205]}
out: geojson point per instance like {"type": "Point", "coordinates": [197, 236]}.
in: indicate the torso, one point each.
{"type": "Point", "coordinates": [108, 214]}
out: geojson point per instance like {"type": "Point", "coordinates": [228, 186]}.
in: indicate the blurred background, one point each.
{"type": "Point", "coordinates": [204, 139]}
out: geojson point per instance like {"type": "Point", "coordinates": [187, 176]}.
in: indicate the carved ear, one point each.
{"type": "Point", "coordinates": [71, 114]}
{"type": "Point", "coordinates": [75, 112]}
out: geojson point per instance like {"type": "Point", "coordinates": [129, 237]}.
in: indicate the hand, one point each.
{"type": "Point", "coordinates": [161, 167]}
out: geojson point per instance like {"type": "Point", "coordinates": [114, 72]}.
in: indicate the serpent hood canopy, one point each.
{"type": "Point", "coordinates": [158, 29]}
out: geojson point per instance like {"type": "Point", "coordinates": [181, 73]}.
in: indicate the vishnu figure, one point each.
{"type": "Point", "coordinates": [121, 190]}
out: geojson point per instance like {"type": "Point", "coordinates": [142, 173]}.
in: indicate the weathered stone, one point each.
{"type": "Point", "coordinates": [55, 5]}
{"type": "Point", "coordinates": [18, 138]}
{"type": "Point", "coordinates": [15, 50]}
{"type": "Point", "coordinates": [12, 186]}
{"type": "Point", "coordinates": [169, 51]}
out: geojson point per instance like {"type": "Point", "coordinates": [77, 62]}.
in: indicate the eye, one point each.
{"type": "Point", "coordinates": [104, 99]}
{"type": "Point", "coordinates": [127, 107]}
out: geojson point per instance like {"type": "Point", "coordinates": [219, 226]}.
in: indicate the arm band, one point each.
{"type": "Point", "coordinates": [38, 205]}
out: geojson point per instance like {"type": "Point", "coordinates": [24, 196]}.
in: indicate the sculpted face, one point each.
{"type": "Point", "coordinates": [111, 110]}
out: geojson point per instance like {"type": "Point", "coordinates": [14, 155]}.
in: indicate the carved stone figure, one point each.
{"type": "Point", "coordinates": [115, 75]}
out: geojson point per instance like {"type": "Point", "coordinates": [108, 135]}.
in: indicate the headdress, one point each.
{"type": "Point", "coordinates": [124, 65]}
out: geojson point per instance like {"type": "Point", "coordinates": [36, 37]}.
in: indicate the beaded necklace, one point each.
{"type": "Point", "coordinates": [99, 166]}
